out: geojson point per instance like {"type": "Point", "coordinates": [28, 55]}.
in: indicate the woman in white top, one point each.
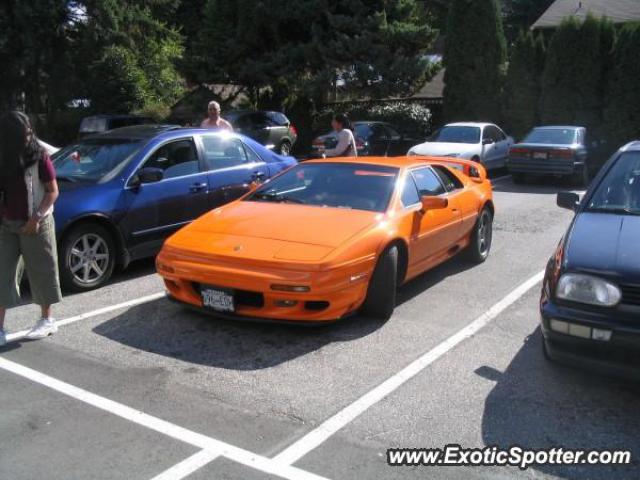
{"type": "Point", "coordinates": [346, 146]}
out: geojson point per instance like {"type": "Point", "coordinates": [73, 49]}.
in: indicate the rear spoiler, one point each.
{"type": "Point", "coordinates": [474, 170]}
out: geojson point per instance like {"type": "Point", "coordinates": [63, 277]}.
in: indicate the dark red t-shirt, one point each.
{"type": "Point", "coordinates": [16, 201]}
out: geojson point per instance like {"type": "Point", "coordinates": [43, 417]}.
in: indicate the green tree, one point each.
{"type": "Point", "coordinates": [522, 85]}
{"type": "Point", "coordinates": [622, 111]}
{"type": "Point", "coordinates": [374, 48]}
{"type": "Point", "coordinates": [474, 58]}
{"type": "Point", "coordinates": [521, 14]}
{"type": "Point", "coordinates": [573, 78]}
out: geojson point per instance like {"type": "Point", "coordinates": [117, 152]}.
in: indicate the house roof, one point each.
{"type": "Point", "coordinates": [618, 11]}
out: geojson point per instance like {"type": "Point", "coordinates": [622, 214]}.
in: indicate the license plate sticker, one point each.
{"type": "Point", "coordinates": [217, 299]}
{"type": "Point", "coordinates": [542, 155]}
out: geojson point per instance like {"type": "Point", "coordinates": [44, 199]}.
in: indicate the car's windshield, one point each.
{"type": "Point", "coordinates": [338, 185]}
{"type": "Point", "coordinates": [456, 134]}
{"type": "Point", "coordinates": [619, 191]}
{"type": "Point", "coordinates": [94, 160]}
{"type": "Point", "coordinates": [553, 136]}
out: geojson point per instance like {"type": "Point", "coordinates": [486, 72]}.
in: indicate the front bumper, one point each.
{"type": "Point", "coordinates": [544, 167]}
{"type": "Point", "coordinates": [332, 294]}
{"type": "Point", "coordinates": [618, 356]}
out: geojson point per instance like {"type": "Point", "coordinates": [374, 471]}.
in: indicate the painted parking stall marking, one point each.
{"type": "Point", "coordinates": [211, 445]}
{"type": "Point", "coordinates": [12, 337]}
{"type": "Point", "coordinates": [323, 432]}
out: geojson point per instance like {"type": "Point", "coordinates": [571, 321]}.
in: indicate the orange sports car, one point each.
{"type": "Point", "coordinates": [327, 238]}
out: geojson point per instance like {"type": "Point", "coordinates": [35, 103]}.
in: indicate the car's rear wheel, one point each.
{"type": "Point", "coordinates": [285, 148]}
{"type": "Point", "coordinates": [482, 237]}
{"type": "Point", "coordinates": [87, 257]}
{"type": "Point", "coordinates": [381, 294]}
{"type": "Point", "coordinates": [519, 178]}
{"type": "Point", "coordinates": [581, 178]}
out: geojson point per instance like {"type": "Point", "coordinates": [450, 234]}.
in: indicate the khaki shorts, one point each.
{"type": "Point", "coordinates": [40, 256]}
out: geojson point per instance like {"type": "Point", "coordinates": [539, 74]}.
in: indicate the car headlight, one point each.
{"type": "Point", "coordinates": [411, 153]}
{"type": "Point", "coordinates": [577, 287]}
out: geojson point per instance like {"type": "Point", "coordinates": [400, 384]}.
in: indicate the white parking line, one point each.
{"type": "Point", "coordinates": [322, 433]}
{"type": "Point", "coordinates": [12, 337]}
{"type": "Point", "coordinates": [138, 417]}
{"type": "Point", "coordinates": [188, 466]}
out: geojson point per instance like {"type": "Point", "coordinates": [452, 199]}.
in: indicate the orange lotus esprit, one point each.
{"type": "Point", "coordinates": [327, 238]}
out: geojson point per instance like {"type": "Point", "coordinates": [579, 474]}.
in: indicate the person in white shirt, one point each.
{"type": "Point", "coordinates": [214, 120]}
{"type": "Point", "coordinates": [346, 146]}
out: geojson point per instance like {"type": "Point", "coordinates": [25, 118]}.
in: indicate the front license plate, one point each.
{"type": "Point", "coordinates": [542, 155]}
{"type": "Point", "coordinates": [217, 299]}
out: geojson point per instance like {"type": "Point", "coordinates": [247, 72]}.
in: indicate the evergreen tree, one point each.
{"type": "Point", "coordinates": [522, 86]}
{"type": "Point", "coordinates": [521, 14]}
{"type": "Point", "coordinates": [573, 78]}
{"type": "Point", "coordinates": [474, 58]}
{"type": "Point", "coordinates": [622, 111]}
{"type": "Point", "coordinates": [373, 47]}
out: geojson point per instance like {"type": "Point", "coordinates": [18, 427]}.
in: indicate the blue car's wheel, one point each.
{"type": "Point", "coordinates": [87, 257]}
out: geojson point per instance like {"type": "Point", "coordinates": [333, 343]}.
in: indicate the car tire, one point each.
{"type": "Point", "coordinates": [87, 257]}
{"type": "Point", "coordinates": [519, 178]}
{"type": "Point", "coordinates": [381, 294]}
{"type": "Point", "coordinates": [285, 148]}
{"type": "Point", "coordinates": [476, 159]}
{"type": "Point", "coordinates": [581, 178]}
{"type": "Point", "coordinates": [481, 237]}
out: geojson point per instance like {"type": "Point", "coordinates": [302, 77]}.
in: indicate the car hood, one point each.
{"type": "Point", "coordinates": [272, 231]}
{"type": "Point", "coordinates": [443, 148]}
{"type": "Point", "coordinates": [607, 244]}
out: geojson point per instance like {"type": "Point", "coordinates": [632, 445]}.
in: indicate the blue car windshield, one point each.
{"type": "Point", "coordinates": [337, 185]}
{"type": "Point", "coordinates": [456, 134]}
{"type": "Point", "coordinates": [619, 191]}
{"type": "Point", "coordinates": [94, 160]}
{"type": "Point", "coordinates": [552, 136]}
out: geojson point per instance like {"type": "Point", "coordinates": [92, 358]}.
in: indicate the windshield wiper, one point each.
{"type": "Point", "coordinates": [276, 197]}
{"type": "Point", "coordinates": [619, 210]}
{"type": "Point", "coordinates": [64, 178]}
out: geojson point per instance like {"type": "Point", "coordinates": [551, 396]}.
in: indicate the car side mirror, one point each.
{"type": "Point", "coordinates": [433, 203]}
{"type": "Point", "coordinates": [568, 200]}
{"type": "Point", "coordinates": [487, 141]}
{"type": "Point", "coordinates": [147, 175]}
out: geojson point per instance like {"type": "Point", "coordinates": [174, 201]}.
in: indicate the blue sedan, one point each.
{"type": "Point", "coordinates": [590, 301]}
{"type": "Point", "coordinates": [123, 192]}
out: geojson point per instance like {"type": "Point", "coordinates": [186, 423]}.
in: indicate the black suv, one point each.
{"type": "Point", "coordinates": [103, 123]}
{"type": "Point", "coordinates": [271, 129]}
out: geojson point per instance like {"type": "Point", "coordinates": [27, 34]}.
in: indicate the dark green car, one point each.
{"type": "Point", "coordinates": [272, 129]}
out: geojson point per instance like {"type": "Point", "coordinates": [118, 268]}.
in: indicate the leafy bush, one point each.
{"type": "Point", "coordinates": [409, 117]}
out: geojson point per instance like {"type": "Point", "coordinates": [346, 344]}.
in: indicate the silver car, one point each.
{"type": "Point", "coordinates": [482, 142]}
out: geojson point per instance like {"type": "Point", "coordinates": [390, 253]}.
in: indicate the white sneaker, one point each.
{"type": "Point", "coordinates": [3, 338]}
{"type": "Point", "coordinates": [42, 329]}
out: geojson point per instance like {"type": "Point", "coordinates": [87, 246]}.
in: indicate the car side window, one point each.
{"type": "Point", "coordinates": [489, 133]}
{"type": "Point", "coordinates": [409, 192]}
{"type": "Point", "coordinates": [252, 156]}
{"type": "Point", "coordinates": [500, 135]}
{"type": "Point", "coordinates": [177, 159]}
{"type": "Point", "coordinates": [392, 132]}
{"type": "Point", "coordinates": [221, 152]}
{"type": "Point", "coordinates": [450, 181]}
{"type": "Point", "coordinates": [378, 132]}
{"type": "Point", "coordinates": [427, 182]}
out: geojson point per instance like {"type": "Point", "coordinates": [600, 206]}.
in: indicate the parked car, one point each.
{"type": "Point", "coordinates": [552, 150]}
{"type": "Point", "coordinates": [590, 302]}
{"type": "Point", "coordinates": [485, 143]}
{"type": "Point", "coordinates": [362, 227]}
{"type": "Point", "coordinates": [50, 149]}
{"type": "Point", "coordinates": [104, 123]}
{"type": "Point", "coordinates": [272, 129]}
{"type": "Point", "coordinates": [373, 138]}
{"type": "Point", "coordinates": [123, 192]}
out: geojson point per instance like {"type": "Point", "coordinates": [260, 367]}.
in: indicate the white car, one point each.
{"type": "Point", "coordinates": [481, 142]}
{"type": "Point", "coordinates": [50, 149]}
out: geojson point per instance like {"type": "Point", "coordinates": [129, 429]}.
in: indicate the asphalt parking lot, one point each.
{"type": "Point", "coordinates": [136, 387]}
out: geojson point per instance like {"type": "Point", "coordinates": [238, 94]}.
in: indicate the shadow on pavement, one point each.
{"type": "Point", "coordinates": [537, 186]}
{"type": "Point", "coordinates": [168, 329]}
{"type": "Point", "coordinates": [538, 404]}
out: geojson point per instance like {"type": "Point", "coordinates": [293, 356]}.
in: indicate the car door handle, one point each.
{"type": "Point", "coordinates": [198, 187]}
